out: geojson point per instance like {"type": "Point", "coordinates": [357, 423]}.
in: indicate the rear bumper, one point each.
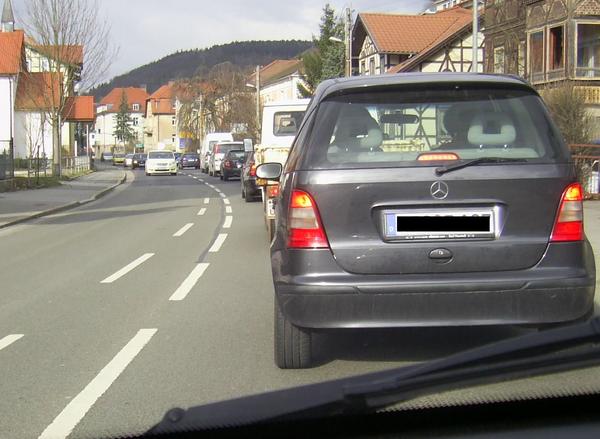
{"type": "Point", "coordinates": [234, 172]}
{"type": "Point", "coordinates": [251, 188]}
{"type": "Point", "coordinates": [547, 293]}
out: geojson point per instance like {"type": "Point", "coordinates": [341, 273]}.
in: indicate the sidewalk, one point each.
{"type": "Point", "coordinates": [19, 206]}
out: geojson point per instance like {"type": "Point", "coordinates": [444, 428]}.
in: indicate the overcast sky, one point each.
{"type": "Point", "coordinates": [147, 30]}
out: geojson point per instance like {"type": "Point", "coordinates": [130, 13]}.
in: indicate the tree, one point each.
{"type": "Point", "coordinates": [568, 108]}
{"type": "Point", "coordinates": [73, 44]}
{"type": "Point", "coordinates": [123, 130]}
{"type": "Point", "coordinates": [327, 61]}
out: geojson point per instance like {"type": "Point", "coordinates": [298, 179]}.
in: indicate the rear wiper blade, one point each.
{"type": "Point", "coordinates": [540, 353]}
{"type": "Point", "coordinates": [444, 169]}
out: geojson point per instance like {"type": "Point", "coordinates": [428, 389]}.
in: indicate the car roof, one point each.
{"type": "Point", "coordinates": [338, 85]}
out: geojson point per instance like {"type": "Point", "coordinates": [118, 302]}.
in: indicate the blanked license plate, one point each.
{"type": "Point", "coordinates": [271, 208]}
{"type": "Point", "coordinates": [422, 224]}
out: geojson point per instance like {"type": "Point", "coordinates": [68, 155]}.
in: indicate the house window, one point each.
{"type": "Point", "coordinates": [536, 53]}
{"type": "Point", "coordinates": [135, 107]}
{"type": "Point", "coordinates": [363, 68]}
{"type": "Point", "coordinates": [174, 106]}
{"type": "Point", "coordinates": [173, 121]}
{"type": "Point", "coordinates": [499, 59]}
{"type": "Point", "coordinates": [557, 48]}
{"type": "Point", "coordinates": [135, 122]}
{"type": "Point", "coordinates": [588, 50]}
{"type": "Point", "coordinates": [173, 139]}
{"type": "Point", "coordinates": [372, 66]}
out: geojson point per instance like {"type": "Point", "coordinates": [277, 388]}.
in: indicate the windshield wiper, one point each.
{"type": "Point", "coordinates": [444, 169]}
{"type": "Point", "coordinates": [551, 351]}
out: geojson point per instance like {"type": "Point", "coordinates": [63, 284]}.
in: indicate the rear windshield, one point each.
{"type": "Point", "coordinates": [225, 148]}
{"type": "Point", "coordinates": [236, 155]}
{"type": "Point", "coordinates": [160, 155]}
{"type": "Point", "coordinates": [394, 128]}
{"type": "Point", "coordinates": [287, 123]}
{"type": "Point", "coordinates": [139, 156]}
{"type": "Point", "coordinates": [119, 156]}
{"type": "Point", "coordinates": [190, 156]}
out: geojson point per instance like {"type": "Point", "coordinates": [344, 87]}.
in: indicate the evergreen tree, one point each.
{"type": "Point", "coordinates": [123, 130]}
{"type": "Point", "coordinates": [327, 61]}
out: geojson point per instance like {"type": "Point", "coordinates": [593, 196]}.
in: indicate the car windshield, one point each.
{"type": "Point", "coordinates": [160, 155]}
{"type": "Point", "coordinates": [316, 191]}
{"type": "Point", "coordinates": [400, 127]}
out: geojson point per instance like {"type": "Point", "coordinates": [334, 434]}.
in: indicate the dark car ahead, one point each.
{"type": "Point", "coordinates": [189, 160]}
{"type": "Point", "coordinates": [231, 165]}
{"type": "Point", "coordinates": [250, 191]}
{"type": "Point", "coordinates": [468, 213]}
{"type": "Point", "coordinates": [139, 161]}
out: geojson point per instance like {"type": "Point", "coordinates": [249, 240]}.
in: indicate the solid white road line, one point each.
{"type": "Point", "coordinates": [74, 412]}
{"type": "Point", "coordinates": [123, 271]}
{"type": "Point", "coordinates": [202, 211]}
{"type": "Point", "coordinates": [228, 209]}
{"type": "Point", "coordinates": [226, 201]}
{"type": "Point", "coordinates": [206, 200]}
{"type": "Point", "coordinates": [228, 221]}
{"type": "Point", "coordinates": [9, 339]}
{"type": "Point", "coordinates": [184, 229]}
{"type": "Point", "coordinates": [189, 283]}
{"type": "Point", "coordinates": [218, 243]}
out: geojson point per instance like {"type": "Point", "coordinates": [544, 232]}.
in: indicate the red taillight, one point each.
{"type": "Point", "coordinates": [273, 190]}
{"type": "Point", "coordinates": [437, 156]}
{"type": "Point", "coordinates": [569, 221]}
{"type": "Point", "coordinates": [304, 224]}
{"type": "Point", "coordinates": [253, 170]}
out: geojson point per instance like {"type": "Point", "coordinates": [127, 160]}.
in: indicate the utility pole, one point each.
{"type": "Point", "coordinates": [348, 38]}
{"type": "Point", "coordinates": [258, 99]}
{"type": "Point", "coordinates": [475, 62]}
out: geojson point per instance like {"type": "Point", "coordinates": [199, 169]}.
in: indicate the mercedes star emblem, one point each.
{"type": "Point", "coordinates": [439, 190]}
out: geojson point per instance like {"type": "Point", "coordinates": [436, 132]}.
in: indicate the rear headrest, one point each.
{"type": "Point", "coordinates": [373, 139]}
{"type": "Point", "coordinates": [491, 128]}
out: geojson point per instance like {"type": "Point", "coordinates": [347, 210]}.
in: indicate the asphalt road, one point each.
{"type": "Point", "coordinates": [158, 296]}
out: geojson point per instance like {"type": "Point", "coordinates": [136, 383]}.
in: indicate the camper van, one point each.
{"type": "Point", "coordinates": [208, 144]}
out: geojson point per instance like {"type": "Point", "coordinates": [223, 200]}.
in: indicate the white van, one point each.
{"type": "Point", "coordinates": [210, 141]}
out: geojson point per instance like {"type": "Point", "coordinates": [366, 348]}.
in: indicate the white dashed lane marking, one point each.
{"type": "Point", "coordinates": [206, 200]}
{"type": "Point", "coordinates": [10, 339]}
{"type": "Point", "coordinates": [226, 201]}
{"type": "Point", "coordinates": [228, 209]}
{"type": "Point", "coordinates": [228, 221]}
{"type": "Point", "coordinates": [218, 243]}
{"type": "Point", "coordinates": [189, 283]}
{"type": "Point", "coordinates": [73, 413]}
{"type": "Point", "coordinates": [123, 271]}
{"type": "Point", "coordinates": [202, 211]}
{"type": "Point", "coordinates": [184, 229]}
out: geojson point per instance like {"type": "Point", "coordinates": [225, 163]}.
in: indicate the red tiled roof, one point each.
{"type": "Point", "coordinates": [276, 70]}
{"type": "Point", "coordinates": [450, 33]}
{"type": "Point", "coordinates": [161, 100]}
{"type": "Point", "coordinates": [11, 52]}
{"type": "Point", "coordinates": [38, 91]}
{"type": "Point", "coordinates": [134, 95]}
{"type": "Point", "coordinates": [79, 109]}
{"type": "Point", "coordinates": [409, 34]}
{"type": "Point", "coordinates": [68, 54]}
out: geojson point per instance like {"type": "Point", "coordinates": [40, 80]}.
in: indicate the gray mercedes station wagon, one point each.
{"type": "Point", "coordinates": [426, 200]}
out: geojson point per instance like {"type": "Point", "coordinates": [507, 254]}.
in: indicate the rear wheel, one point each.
{"type": "Point", "coordinates": [292, 344]}
{"type": "Point", "coordinates": [225, 177]}
{"type": "Point", "coordinates": [244, 191]}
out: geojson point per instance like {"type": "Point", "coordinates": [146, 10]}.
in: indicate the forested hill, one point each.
{"type": "Point", "coordinates": [187, 63]}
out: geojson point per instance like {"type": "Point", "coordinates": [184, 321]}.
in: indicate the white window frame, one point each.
{"type": "Point", "coordinates": [135, 107]}
{"type": "Point", "coordinates": [575, 49]}
{"type": "Point", "coordinates": [548, 49]}
{"type": "Point", "coordinates": [497, 50]}
{"type": "Point", "coordinates": [529, 68]}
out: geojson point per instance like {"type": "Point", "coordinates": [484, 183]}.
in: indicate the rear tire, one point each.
{"type": "Point", "coordinates": [293, 345]}
{"type": "Point", "coordinates": [225, 177]}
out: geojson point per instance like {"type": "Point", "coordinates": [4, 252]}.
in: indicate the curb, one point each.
{"type": "Point", "coordinates": [67, 206]}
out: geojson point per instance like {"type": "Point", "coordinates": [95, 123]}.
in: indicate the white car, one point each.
{"type": "Point", "coordinates": [128, 161]}
{"type": "Point", "coordinates": [161, 162]}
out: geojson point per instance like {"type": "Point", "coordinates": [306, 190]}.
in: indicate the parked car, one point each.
{"type": "Point", "coordinates": [470, 214]}
{"type": "Point", "coordinates": [231, 165]}
{"type": "Point", "coordinates": [250, 191]}
{"type": "Point", "coordinates": [128, 163]}
{"type": "Point", "coordinates": [106, 157]}
{"type": "Point", "coordinates": [139, 161]}
{"type": "Point", "coordinates": [161, 162]}
{"type": "Point", "coordinates": [219, 151]}
{"type": "Point", "coordinates": [118, 158]}
{"type": "Point", "coordinates": [189, 160]}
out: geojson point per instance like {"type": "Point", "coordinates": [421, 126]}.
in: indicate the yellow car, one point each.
{"type": "Point", "coordinates": [118, 159]}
